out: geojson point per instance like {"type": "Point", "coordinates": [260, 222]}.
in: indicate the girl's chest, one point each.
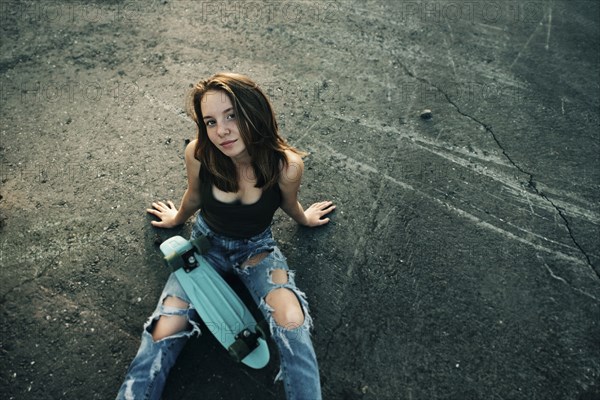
{"type": "Point", "coordinates": [247, 193]}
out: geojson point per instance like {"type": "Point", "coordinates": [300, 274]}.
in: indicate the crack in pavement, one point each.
{"type": "Point", "coordinates": [531, 184]}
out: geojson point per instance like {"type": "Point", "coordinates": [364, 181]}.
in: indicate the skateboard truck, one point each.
{"type": "Point", "coordinates": [187, 261]}
{"type": "Point", "coordinates": [200, 245]}
{"type": "Point", "coordinates": [246, 341]}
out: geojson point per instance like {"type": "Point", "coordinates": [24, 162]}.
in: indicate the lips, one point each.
{"type": "Point", "coordinates": [228, 143]}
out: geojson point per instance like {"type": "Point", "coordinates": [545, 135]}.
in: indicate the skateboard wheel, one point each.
{"type": "Point", "coordinates": [174, 261]}
{"type": "Point", "coordinates": [262, 329]}
{"type": "Point", "coordinates": [239, 350]}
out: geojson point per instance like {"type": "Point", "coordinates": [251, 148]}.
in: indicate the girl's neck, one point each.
{"type": "Point", "coordinates": [242, 161]}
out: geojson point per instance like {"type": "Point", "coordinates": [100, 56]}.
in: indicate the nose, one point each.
{"type": "Point", "coordinates": [222, 129]}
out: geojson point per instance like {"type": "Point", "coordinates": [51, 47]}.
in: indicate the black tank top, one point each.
{"type": "Point", "coordinates": [237, 220]}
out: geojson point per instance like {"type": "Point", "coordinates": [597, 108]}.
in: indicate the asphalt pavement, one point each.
{"type": "Point", "coordinates": [458, 139]}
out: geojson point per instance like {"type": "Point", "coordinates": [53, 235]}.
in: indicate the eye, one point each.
{"type": "Point", "coordinates": [210, 123]}
{"type": "Point", "coordinates": [231, 116]}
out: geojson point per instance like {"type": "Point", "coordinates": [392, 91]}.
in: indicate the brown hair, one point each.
{"type": "Point", "coordinates": [257, 126]}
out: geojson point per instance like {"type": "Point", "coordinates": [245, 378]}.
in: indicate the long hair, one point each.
{"type": "Point", "coordinates": [256, 123]}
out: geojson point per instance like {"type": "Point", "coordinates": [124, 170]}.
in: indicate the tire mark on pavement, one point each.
{"type": "Point", "coordinates": [359, 257]}
{"type": "Point", "coordinates": [358, 168]}
{"type": "Point", "coordinates": [531, 182]}
{"type": "Point", "coordinates": [563, 280]}
{"type": "Point", "coordinates": [526, 45]}
{"type": "Point", "coordinates": [549, 27]}
{"type": "Point", "coordinates": [435, 148]}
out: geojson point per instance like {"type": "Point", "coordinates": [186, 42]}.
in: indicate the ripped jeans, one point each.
{"type": "Point", "coordinates": [148, 371]}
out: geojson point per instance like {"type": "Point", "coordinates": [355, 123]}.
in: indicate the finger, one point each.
{"type": "Point", "coordinates": [319, 205]}
{"type": "Point", "coordinates": [327, 210]}
{"type": "Point", "coordinates": [326, 204]}
{"type": "Point", "coordinates": [152, 211]}
{"type": "Point", "coordinates": [171, 205]}
{"type": "Point", "coordinates": [323, 221]}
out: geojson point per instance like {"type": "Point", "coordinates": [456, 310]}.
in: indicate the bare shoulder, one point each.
{"type": "Point", "coordinates": [192, 166]}
{"type": "Point", "coordinates": [190, 150]}
{"type": "Point", "coordinates": [292, 172]}
{"type": "Point", "coordinates": [293, 157]}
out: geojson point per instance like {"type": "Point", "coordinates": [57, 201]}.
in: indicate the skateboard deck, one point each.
{"type": "Point", "coordinates": [222, 311]}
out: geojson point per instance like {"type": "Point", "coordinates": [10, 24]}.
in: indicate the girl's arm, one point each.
{"type": "Point", "coordinates": [289, 183]}
{"type": "Point", "coordinates": [167, 213]}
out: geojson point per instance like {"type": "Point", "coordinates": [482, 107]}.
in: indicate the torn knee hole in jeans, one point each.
{"type": "Point", "coordinates": [278, 276]}
{"type": "Point", "coordinates": [172, 320]}
{"type": "Point", "coordinates": [174, 301]}
{"type": "Point", "coordinates": [292, 331]}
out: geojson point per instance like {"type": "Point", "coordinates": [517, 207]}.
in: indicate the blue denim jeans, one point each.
{"type": "Point", "coordinates": [148, 371]}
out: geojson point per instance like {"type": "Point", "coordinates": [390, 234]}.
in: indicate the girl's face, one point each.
{"type": "Point", "coordinates": [221, 124]}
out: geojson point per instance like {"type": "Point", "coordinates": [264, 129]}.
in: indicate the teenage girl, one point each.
{"type": "Point", "coordinates": [240, 171]}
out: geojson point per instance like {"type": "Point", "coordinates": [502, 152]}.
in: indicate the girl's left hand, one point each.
{"type": "Point", "coordinates": [314, 214]}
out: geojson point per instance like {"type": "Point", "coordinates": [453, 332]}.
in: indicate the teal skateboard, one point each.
{"type": "Point", "coordinates": [222, 311]}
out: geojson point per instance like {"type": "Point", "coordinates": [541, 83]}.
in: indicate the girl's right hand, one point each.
{"type": "Point", "coordinates": [167, 214]}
